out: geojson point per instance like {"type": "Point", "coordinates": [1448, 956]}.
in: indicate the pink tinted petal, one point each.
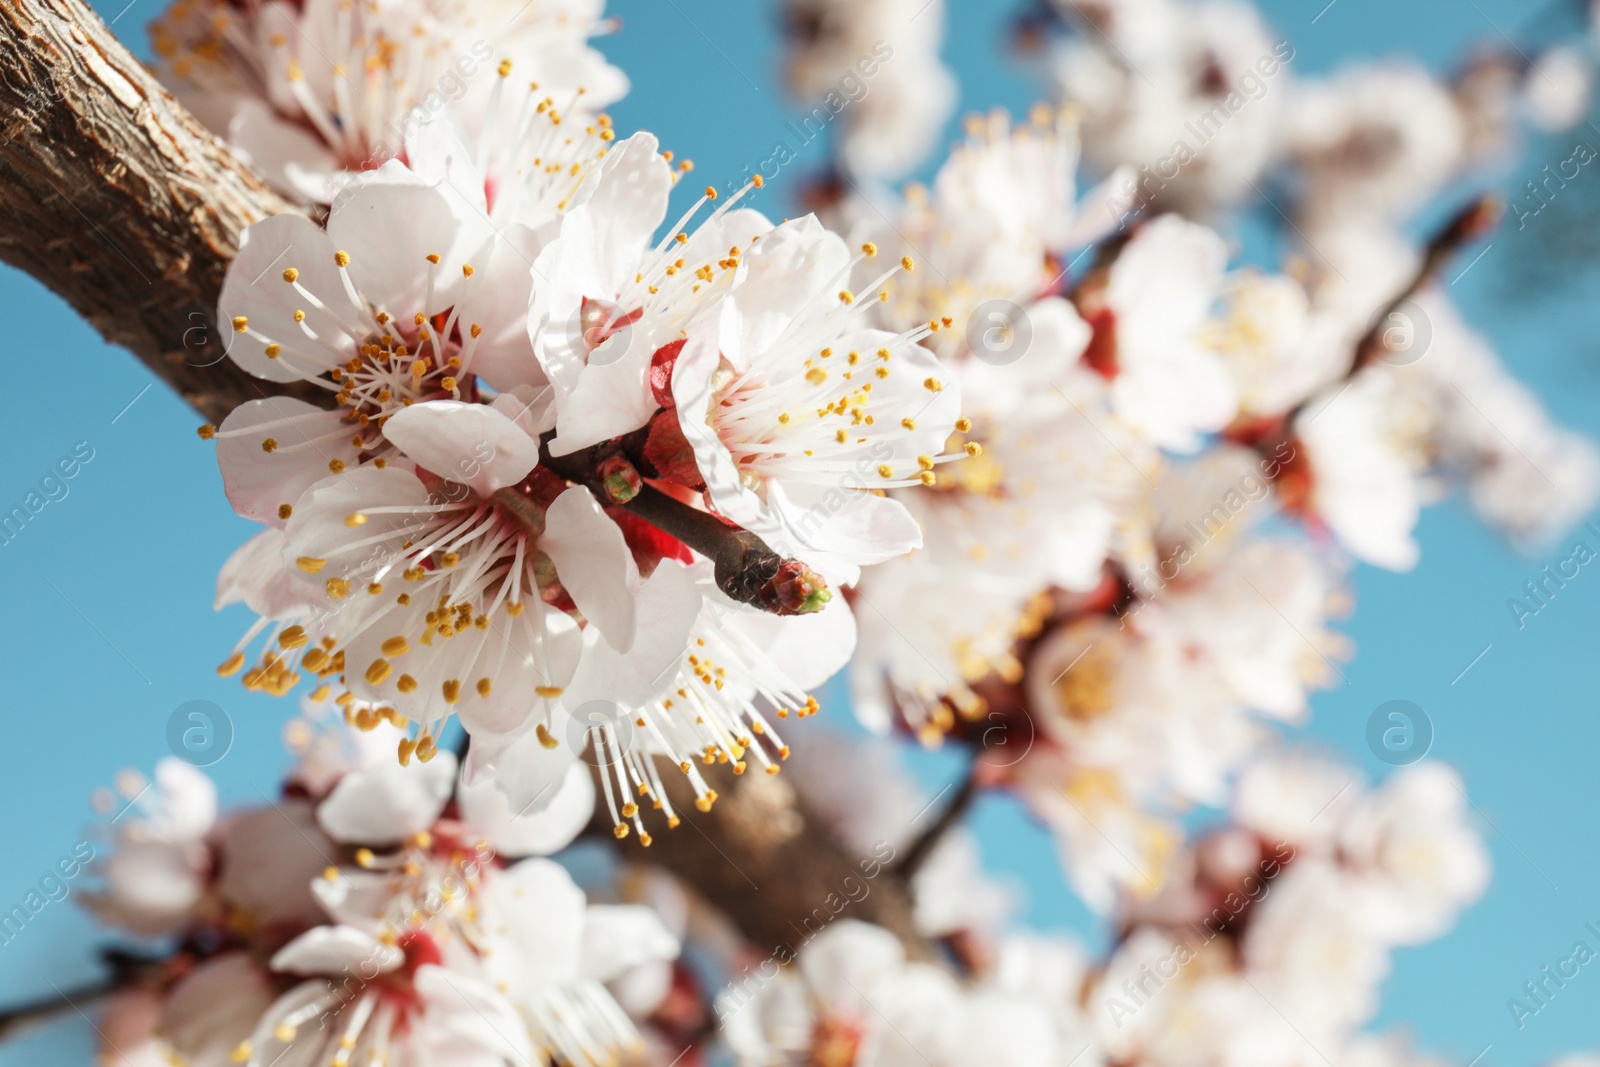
{"type": "Point", "coordinates": [389, 229]}
{"type": "Point", "coordinates": [255, 575]}
{"type": "Point", "coordinates": [151, 887]}
{"type": "Point", "coordinates": [532, 409]}
{"type": "Point", "coordinates": [692, 377]}
{"type": "Point", "coordinates": [307, 439]}
{"type": "Point", "coordinates": [289, 156]}
{"type": "Point", "coordinates": [255, 292]}
{"type": "Point", "coordinates": [215, 1006]}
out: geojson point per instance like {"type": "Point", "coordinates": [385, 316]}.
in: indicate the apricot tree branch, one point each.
{"type": "Point", "coordinates": [763, 858]}
{"type": "Point", "coordinates": [118, 199]}
{"type": "Point", "coordinates": [17, 1020]}
{"type": "Point", "coordinates": [1467, 225]}
{"type": "Point", "coordinates": [923, 846]}
{"type": "Point", "coordinates": [747, 569]}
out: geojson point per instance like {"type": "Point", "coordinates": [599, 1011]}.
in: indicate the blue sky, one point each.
{"type": "Point", "coordinates": [111, 583]}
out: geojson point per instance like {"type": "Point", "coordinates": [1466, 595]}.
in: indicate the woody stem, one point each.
{"type": "Point", "coordinates": [924, 845]}
{"type": "Point", "coordinates": [14, 1021]}
{"type": "Point", "coordinates": [744, 563]}
{"type": "Point", "coordinates": [747, 569]}
{"type": "Point", "coordinates": [1473, 221]}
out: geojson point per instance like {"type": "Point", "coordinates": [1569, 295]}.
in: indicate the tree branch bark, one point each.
{"type": "Point", "coordinates": [118, 199]}
{"type": "Point", "coordinates": [125, 206]}
{"type": "Point", "coordinates": [763, 859]}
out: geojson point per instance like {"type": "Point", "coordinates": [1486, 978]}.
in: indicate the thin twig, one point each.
{"type": "Point", "coordinates": [14, 1021]}
{"type": "Point", "coordinates": [924, 845]}
{"type": "Point", "coordinates": [747, 569]}
{"type": "Point", "coordinates": [1465, 226]}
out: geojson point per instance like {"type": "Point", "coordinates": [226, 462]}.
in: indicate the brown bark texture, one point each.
{"type": "Point", "coordinates": [115, 197]}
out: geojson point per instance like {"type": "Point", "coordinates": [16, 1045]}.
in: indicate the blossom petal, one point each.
{"type": "Point", "coordinates": [389, 803]}
{"type": "Point", "coordinates": [542, 910]}
{"type": "Point", "coordinates": [668, 604]}
{"type": "Point", "coordinates": [496, 299]}
{"type": "Point", "coordinates": [626, 206]}
{"type": "Point", "coordinates": [848, 957]}
{"type": "Point", "coordinates": [807, 649]}
{"type": "Point", "coordinates": [518, 832]}
{"type": "Point", "coordinates": [529, 774]}
{"type": "Point", "coordinates": [259, 483]}
{"type": "Point", "coordinates": [842, 530]}
{"type": "Point", "coordinates": [517, 654]}
{"type": "Point", "coordinates": [355, 898]}
{"type": "Point", "coordinates": [531, 408]}
{"type": "Point", "coordinates": [333, 950]}
{"type": "Point", "coordinates": [617, 937]}
{"type": "Point", "coordinates": [255, 295]}
{"type": "Point", "coordinates": [188, 802]}
{"type": "Point", "coordinates": [594, 564]}
{"type": "Point", "coordinates": [795, 260]}
{"type": "Point", "coordinates": [467, 1013]}
{"type": "Point", "coordinates": [151, 887]}
{"type": "Point", "coordinates": [610, 397]}
{"type": "Point", "coordinates": [216, 1005]}
{"type": "Point", "coordinates": [473, 444]}
{"type": "Point", "coordinates": [256, 576]}
{"type": "Point", "coordinates": [318, 529]}
{"type": "Point", "coordinates": [389, 229]}
{"type": "Point", "coordinates": [290, 157]}
{"type": "Point", "coordinates": [437, 152]}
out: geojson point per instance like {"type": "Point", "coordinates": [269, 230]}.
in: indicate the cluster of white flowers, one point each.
{"type": "Point", "coordinates": [1266, 941]}
{"type": "Point", "coordinates": [1270, 936]}
{"type": "Point", "coordinates": [493, 521]}
{"type": "Point", "coordinates": [1098, 586]}
{"type": "Point", "coordinates": [370, 915]}
{"type": "Point", "coordinates": [1059, 482]}
{"type": "Point", "coordinates": [313, 90]}
{"type": "Point", "coordinates": [1205, 101]}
